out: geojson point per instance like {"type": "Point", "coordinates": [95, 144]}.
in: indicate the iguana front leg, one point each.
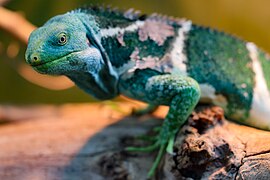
{"type": "Point", "coordinates": [181, 93]}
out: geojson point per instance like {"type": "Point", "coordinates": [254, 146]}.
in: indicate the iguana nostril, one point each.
{"type": "Point", "coordinates": [34, 59]}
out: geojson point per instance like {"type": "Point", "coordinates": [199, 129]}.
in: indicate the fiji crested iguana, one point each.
{"type": "Point", "coordinates": [157, 60]}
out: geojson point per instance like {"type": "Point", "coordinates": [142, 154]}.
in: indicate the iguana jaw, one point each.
{"type": "Point", "coordinates": [56, 66]}
{"type": "Point", "coordinates": [44, 67]}
{"type": "Point", "coordinates": [43, 63]}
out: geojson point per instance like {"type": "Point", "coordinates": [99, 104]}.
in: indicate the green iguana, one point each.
{"type": "Point", "coordinates": [158, 60]}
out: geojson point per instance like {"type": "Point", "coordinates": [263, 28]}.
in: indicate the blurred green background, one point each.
{"type": "Point", "coordinates": [249, 19]}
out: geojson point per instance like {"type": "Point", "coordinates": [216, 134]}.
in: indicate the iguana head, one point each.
{"type": "Point", "coordinates": [70, 45]}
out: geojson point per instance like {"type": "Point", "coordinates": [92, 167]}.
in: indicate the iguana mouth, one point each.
{"type": "Point", "coordinates": [42, 63]}
{"type": "Point", "coordinates": [47, 62]}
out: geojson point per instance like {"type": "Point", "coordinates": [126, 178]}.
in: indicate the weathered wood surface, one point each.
{"type": "Point", "coordinates": [86, 141]}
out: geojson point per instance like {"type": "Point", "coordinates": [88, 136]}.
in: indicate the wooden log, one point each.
{"type": "Point", "coordinates": [86, 141]}
{"type": "Point", "coordinates": [210, 147]}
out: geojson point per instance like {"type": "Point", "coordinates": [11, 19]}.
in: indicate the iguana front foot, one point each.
{"type": "Point", "coordinates": [143, 149]}
{"type": "Point", "coordinates": [150, 138]}
{"type": "Point", "coordinates": [159, 144]}
{"type": "Point", "coordinates": [146, 138]}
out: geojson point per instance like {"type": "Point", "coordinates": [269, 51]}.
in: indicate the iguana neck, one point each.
{"type": "Point", "coordinates": [129, 38]}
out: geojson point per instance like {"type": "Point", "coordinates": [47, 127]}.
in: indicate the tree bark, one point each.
{"type": "Point", "coordinates": [87, 141]}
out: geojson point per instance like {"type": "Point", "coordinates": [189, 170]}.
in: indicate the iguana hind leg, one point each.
{"type": "Point", "coordinates": [147, 110]}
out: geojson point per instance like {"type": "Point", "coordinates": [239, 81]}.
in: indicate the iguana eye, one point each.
{"type": "Point", "coordinates": [62, 39]}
